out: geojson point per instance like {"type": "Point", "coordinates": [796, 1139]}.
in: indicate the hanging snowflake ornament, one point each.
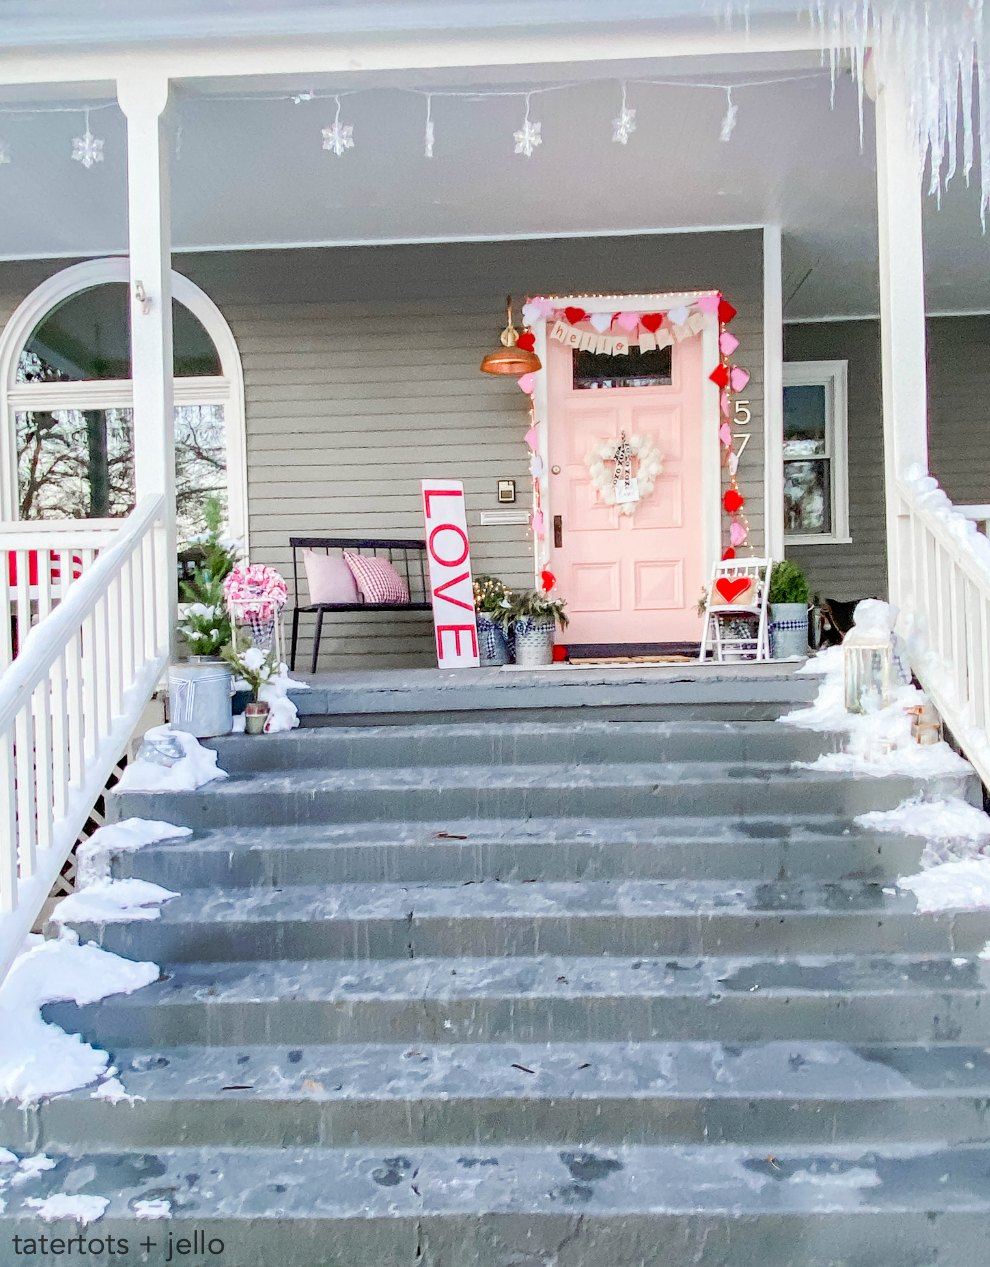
{"type": "Point", "coordinates": [429, 135]}
{"type": "Point", "coordinates": [529, 135]}
{"type": "Point", "coordinates": [624, 124]}
{"type": "Point", "coordinates": [729, 120]}
{"type": "Point", "coordinates": [87, 149]}
{"type": "Point", "coordinates": [339, 138]}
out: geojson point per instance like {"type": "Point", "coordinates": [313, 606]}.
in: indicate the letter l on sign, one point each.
{"type": "Point", "coordinates": [451, 583]}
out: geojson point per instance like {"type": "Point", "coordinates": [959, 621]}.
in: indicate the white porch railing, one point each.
{"type": "Point", "coordinates": [944, 600]}
{"type": "Point", "coordinates": [69, 703]}
{"type": "Point", "coordinates": [39, 562]}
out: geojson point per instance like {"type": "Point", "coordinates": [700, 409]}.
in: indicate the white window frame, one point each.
{"type": "Point", "coordinates": [833, 376]}
{"type": "Point", "coordinates": [227, 389]}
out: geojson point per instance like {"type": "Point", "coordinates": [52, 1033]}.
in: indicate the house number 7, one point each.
{"type": "Point", "coordinates": [743, 413]}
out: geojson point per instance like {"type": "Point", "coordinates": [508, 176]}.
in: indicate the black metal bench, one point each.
{"type": "Point", "coordinates": [406, 556]}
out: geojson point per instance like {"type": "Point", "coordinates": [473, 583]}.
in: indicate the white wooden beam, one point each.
{"type": "Point", "coordinates": [773, 393]}
{"type": "Point", "coordinates": [143, 101]}
{"type": "Point", "coordinates": [902, 308]}
{"type": "Point", "coordinates": [357, 55]}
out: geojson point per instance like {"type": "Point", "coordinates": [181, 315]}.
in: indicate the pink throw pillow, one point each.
{"type": "Point", "coordinates": [377, 580]}
{"type": "Point", "coordinates": [329, 578]}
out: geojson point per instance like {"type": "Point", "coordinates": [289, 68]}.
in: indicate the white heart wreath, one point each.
{"type": "Point", "coordinates": [649, 464]}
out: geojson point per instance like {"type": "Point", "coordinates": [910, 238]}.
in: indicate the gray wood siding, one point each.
{"type": "Point", "coordinates": [361, 377]}
{"type": "Point", "coordinates": [959, 420]}
{"type": "Point", "coordinates": [857, 570]}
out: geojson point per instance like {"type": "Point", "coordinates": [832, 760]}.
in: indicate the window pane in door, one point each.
{"type": "Point", "coordinates": [807, 496]}
{"type": "Point", "coordinates": [805, 421]}
{"type": "Point", "coordinates": [597, 370]}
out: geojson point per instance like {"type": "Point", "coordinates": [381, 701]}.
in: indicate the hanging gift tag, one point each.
{"type": "Point", "coordinates": [626, 493]}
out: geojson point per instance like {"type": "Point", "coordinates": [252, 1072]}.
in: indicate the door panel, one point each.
{"type": "Point", "coordinates": [628, 578]}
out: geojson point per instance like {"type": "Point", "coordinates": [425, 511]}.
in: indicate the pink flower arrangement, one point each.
{"type": "Point", "coordinates": [256, 588]}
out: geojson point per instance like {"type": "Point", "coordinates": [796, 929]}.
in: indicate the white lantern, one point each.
{"type": "Point", "coordinates": [868, 670]}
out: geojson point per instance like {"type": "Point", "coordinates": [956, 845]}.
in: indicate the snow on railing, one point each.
{"type": "Point", "coordinates": [41, 559]}
{"type": "Point", "coordinates": [943, 592]}
{"type": "Point", "coordinates": [69, 704]}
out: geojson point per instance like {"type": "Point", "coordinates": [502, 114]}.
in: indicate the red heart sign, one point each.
{"type": "Point", "coordinates": [725, 312]}
{"type": "Point", "coordinates": [651, 321]}
{"type": "Point", "coordinates": [733, 501]}
{"type": "Point", "coordinates": [731, 587]}
{"type": "Point", "coordinates": [720, 376]}
{"type": "Point", "coordinates": [526, 341]}
{"type": "Point", "coordinates": [574, 315]}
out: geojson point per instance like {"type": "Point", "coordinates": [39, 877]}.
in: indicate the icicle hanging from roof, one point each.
{"type": "Point", "coordinates": [941, 45]}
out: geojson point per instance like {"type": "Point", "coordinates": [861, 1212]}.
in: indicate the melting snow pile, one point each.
{"type": "Point", "coordinates": [157, 770]}
{"type": "Point", "coordinates": [282, 713]}
{"type": "Point", "coordinates": [38, 1059]}
{"type": "Point", "coordinates": [955, 871]}
{"type": "Point", "coordinates": [63, 1205]}
{"type": "Point", "coordinates": [93, 855]}
{"type": "Point", "coordinates": [112, 901]}
{"type": "Point", "coordinates": [878, 742]}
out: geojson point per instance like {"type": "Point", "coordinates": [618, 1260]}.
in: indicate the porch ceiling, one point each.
{"type": "Point", "coordinates": [249, 171]}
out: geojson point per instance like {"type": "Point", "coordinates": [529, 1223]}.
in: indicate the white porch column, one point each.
{"type": "Point", "coordinates": [902, 307]}
{"type": "Point", "coordinates": [773, 393]}
{"type": "Point", "coordinates": [143, 100]}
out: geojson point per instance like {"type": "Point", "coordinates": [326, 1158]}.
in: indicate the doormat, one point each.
{"type": "Point", "coordinates": [633, 659]}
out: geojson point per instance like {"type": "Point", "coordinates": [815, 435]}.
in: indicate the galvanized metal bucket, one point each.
{"type": "Point", "coordinates": [534, 642]}
{"type": "Point", "coordinates": [788, 630]}
{"type": "Point", "coordinates": [199, 697]}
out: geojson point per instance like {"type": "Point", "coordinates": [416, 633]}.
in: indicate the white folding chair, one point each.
{"type": "Point", "coordinates": [737, 596]}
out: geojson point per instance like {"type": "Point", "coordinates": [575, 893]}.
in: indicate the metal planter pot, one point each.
{"type": "Point", "coordinates": [493, 646]}
{"type": "Point", "coordinates": [199, 697]}
{"type": "Point", "coordinates": [788, 630]}
{"type": "Point", "coordinates": [534, 642]}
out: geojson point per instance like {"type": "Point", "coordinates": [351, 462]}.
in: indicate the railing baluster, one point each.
{"type": "Point", "coordinates": [43, 757]}
{"type": "Point", "coordinates": [75, 730]}
{"type": "Point", "coordinates": [23, 590]}
{"type": "Point", "coordinates": [8, 824]}
{"type": "Point", "coordinates": [27, 806]}
{"type": "Point", "coordinates": [90, 653]}
{"type": "Point", "coordinates": [61, 772]}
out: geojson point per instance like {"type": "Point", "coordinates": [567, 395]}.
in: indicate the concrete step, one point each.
{"type": "Point", "coordinates": [497, 743]}
{"type": "Point", "coordinates": [496, 918]}
{"type": "Point", "coordinates": [676, 692]}
{"type": "Point", "coordinates": [504, 1093]}
{"type": "Point", "coordinates": [859, 999]}
{"type": "Point", "coordinates": [790, 1206]}
{"type": "Point", "coordinates": [525, 849]}
{"type": "Point", "coordinates": [433, 794]}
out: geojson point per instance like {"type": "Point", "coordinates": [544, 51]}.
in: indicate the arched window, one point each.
{"type": "Point", "coordinates": [65, 376]}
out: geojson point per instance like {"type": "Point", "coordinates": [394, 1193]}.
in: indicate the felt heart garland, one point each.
{"type": "Point", "coordinates": [652, 321]}
{"type": "Point", "coordinates": [547, 580]}
{"type": "Point", "coordinates": [627, 321]}
{"type": "Point", "coordinates": [733, 501]}
{"type": "Point", "coordinates": [574, 315]}
{"type": "Point", "coordinates": [727, 554]}
{"type": "Point", "coordinates": [720, 375]}
{"type": "Point", "coordinates": [709, 303]}
{"type": "Point", "coordinates": [737, 533]}
{"type": "Point", "coordinates": [601, 321]}
{"type": "Point", "coordinates": [532, 439]}
{"type": "Point", "coordinates": [526, 341]}
{"type": "Point", "coordinates": [725, 311]}
{"type": "Point", "coordinates": [527, 383]}
{"type": "Point", "coordinates": [727, 342]}
{"type": "Point", "coordinates": [725, 435]}
{"type": "Point", "coordinates": [738, 378]}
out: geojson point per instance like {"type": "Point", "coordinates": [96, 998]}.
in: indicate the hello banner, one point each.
{"type": "Point", "coordinates": [618, 345]}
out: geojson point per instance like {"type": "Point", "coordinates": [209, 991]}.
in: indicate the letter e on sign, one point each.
{"type": "Point", "coordinates": [448, 554]}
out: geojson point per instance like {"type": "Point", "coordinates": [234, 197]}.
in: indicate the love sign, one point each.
{"type": "Point", "coordinates": [448, 554]}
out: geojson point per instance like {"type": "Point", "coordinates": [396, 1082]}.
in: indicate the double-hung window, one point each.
{"type": "Point", "coordinates": [816, 478]}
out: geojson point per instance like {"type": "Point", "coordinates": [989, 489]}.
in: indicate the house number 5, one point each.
{"type": "Point", "coordinates": [743, 413]}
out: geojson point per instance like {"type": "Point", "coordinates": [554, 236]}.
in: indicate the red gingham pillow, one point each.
{"type": "Point", "coordinates": [377, 580]}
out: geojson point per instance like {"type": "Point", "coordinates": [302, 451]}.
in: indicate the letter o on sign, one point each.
{"type": "Point", "coordinates": [459, 532]}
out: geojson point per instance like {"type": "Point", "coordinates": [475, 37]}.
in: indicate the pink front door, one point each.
{"type": "Point", "coordinates": [627, 578]}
